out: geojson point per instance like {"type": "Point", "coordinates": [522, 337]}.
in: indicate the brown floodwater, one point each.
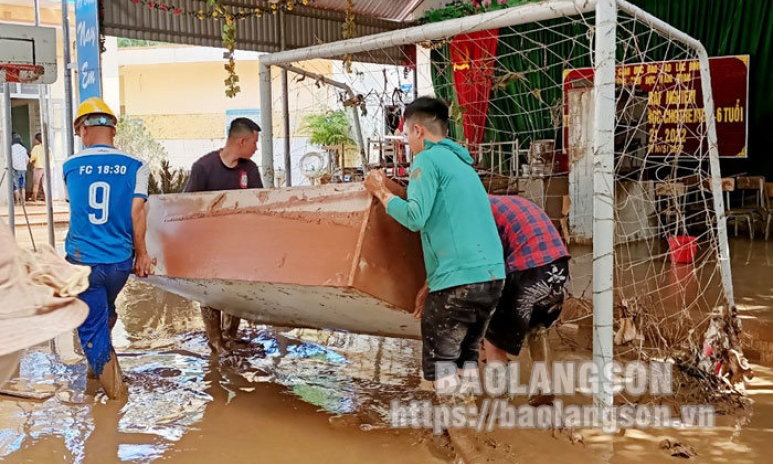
{"type": "Point", "coordinates": [316, 396]}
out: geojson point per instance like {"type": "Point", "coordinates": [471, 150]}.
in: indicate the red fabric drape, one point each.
{"type": "Point", "coordinates": [472, 56]}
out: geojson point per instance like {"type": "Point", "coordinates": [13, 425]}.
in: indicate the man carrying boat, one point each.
{"type": "Point", "coordinates": [447, 204]}
{"type": "Point", "coordinates": [230, 168]}
{"type": "Point", "coordinates": [107, 190]}
{"type": "Point", "coordinates": [537, 266]}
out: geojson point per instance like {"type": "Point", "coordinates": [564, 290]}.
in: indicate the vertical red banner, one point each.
{"type": "Point", "coordinates": [472, 57]}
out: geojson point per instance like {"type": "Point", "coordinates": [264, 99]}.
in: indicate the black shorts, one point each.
{"type": "Point", "coordinates": [454, 322]}
{"type": "Point", "coordinates": [532, 299]}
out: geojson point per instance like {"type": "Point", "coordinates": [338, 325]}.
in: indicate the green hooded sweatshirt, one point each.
{"type": "Point", "coordinates": [448, 204]}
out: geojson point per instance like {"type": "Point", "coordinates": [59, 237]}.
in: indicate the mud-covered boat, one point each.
{"type": "Point", "coordinates": [317, 257]}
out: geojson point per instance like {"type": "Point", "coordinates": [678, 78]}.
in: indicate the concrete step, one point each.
{"type": "Point", "coordinates": [32, 212]}
{"type": "Point", "coordinates": [39, 220]}
{"type": "Point", "coordinates": [36, 206]}
{"type": "Point", "coordinates": [37, 215]}
{"type": "Point", "coordinates": [33, 209]}
{"type": "Point", "coordinates": [35, 221]}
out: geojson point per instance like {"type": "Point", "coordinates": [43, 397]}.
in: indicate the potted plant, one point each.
{"type": "Point", "coordinates": [331, 131]}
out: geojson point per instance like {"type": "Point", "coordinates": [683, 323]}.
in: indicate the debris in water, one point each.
{"type": "Point", "coordinates": [627, 332]}
{"type": "Point", "coordinates": [22, 389]}
{"type": "Point", "coordinates": [677, 449]}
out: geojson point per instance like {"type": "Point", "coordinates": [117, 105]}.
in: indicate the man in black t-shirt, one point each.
{"type": "Point", "coordinates": [229, 168]}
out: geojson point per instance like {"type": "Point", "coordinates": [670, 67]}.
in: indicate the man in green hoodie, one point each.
{"type": "Point", "coordinates": [463, 255]}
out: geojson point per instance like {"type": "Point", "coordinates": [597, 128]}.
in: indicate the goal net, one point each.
{"type": "Point", "coordinates": [548, 116]}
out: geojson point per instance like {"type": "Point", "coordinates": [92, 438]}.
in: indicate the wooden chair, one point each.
{"type": "Point", "coordinates": [752, 190]}
{"type": "Point", "coordinates": [739, 213]}
{"type": "Point", "coordinates": [769, 208]}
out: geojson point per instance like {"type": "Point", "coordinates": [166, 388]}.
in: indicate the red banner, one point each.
{"type": "Point", "coordinates": [675, 114]}
{"type": "Point", "coordinates": [472, 56]}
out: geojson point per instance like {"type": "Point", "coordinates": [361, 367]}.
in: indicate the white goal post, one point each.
{"type": "Point", "coordinates": [604, 32]}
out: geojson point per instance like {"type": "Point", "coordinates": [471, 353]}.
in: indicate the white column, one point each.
{"type": "Point", "coordinates": [6, 129]}
{"type": "Point", "coordinates": [267, 133]}
{"type": "Point", "coordinates": [604, 194]}
{"type": "Point", "coordinates": [716, 177]}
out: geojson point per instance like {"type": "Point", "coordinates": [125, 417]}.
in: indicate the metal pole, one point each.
{"type": "Point", "coordinates": [43, 104]}
{"type": "Point", "coordinates": [358, 134]}
{"type": "Point", "coordinates": [317, 77]}
{"type": "Point", "coordinates": [285, 104]}
{"type": "Point", "coordinates": [716, 181]}
{"type": "Point", "coordinates": [68, 94]}
{"type": "Point", "coordinates": [47, 166]}
{"type": "Point", "coordinates": [409, 156]}
{"type": "Point", "coordinates": [604, 196]}
{"type": "Point", "coordinates": [267, 136]}
{"type": "Point", "coordinates": [416, 78]}
{"type": "Point", "coordinates": [7, 129]}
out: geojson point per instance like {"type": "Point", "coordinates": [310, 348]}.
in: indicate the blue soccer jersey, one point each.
{"type": "Point", "coordinates": [101, 183]}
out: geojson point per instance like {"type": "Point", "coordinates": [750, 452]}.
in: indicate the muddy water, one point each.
{"type": "Point", "coordinates": [291, 396]}
{"type": "Point", "coordinates": [307, 396]}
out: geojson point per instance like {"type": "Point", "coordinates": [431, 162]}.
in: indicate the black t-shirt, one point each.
{"type": "Point", "coordinates": [209, 174]}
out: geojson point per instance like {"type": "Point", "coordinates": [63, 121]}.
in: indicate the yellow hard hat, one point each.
{"type": "Point", "coordinates": [95, 106]}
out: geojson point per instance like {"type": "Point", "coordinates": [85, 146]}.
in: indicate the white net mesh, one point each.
{"type": "Point", "coordinates": [522, 100]}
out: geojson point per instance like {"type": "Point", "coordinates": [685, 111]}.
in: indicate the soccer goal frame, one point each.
{"type": "Point", "coordinates": [606, 17]}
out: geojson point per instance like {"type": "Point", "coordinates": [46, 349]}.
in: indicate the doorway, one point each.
{"type": "Point", "coordinates": [24, 114]}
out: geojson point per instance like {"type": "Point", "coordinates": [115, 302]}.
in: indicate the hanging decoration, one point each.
{"type": "Point", "coordinates": [228, 16]}
{"type": "Point", "coordinates": [348, 31]}
{"type": "Point", "coordinates": [238, 13]}
{"type": "Point", "coordinates": [473, 56]}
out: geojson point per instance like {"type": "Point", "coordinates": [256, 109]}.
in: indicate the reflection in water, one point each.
{"type": "Point", "coordinates": [35, 420]}
{"type": "Point", "coordinates": [172, 381]}
{"type": "Point", "coordinates": [166, 394]}
{"type": "Point", "coordinates": [140, 453]}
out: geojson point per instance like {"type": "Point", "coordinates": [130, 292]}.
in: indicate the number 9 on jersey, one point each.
{"type": "Point", "coordinates": [99, 199]}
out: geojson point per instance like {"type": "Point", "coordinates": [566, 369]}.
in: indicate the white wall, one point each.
{"type": "Point", "coordinates": [183, 153]}
{"type": "Point", "coordinates": [425, 73]}
{"type": "Point", "coordinates": [4, 174]}
{"type": "Point", "coordinates": [581, 106]}
{"type": "Point", "coordinates": [299, 146]}
{"type": "Point", "coordinates": [111, 87]}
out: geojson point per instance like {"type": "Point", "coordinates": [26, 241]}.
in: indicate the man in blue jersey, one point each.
{"type": "Point", "coordinates": [107, 190]}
